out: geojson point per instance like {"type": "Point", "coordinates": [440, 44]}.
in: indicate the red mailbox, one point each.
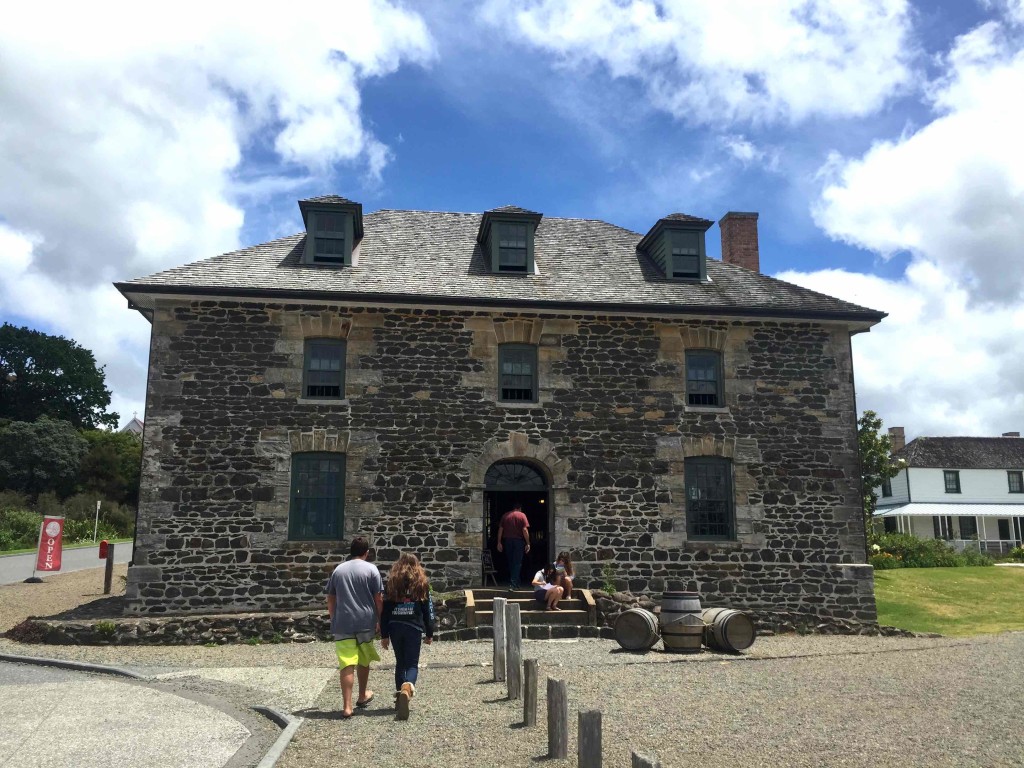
{"type": "Point", "coordinates": [103, 549]}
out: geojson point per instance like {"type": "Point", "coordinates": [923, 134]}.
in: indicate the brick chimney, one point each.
{"type": "Point", "coordinates": [1011, 434]}
{"type": "Point", "coordinates": [897, 437]}
{"type": "Point", "coordinates": [739, 240]}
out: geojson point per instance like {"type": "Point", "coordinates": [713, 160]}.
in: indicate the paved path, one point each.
{"type": "Point", "coordinates": [15, 568]}
{"type": "Point", "coordinates": [55, 717]}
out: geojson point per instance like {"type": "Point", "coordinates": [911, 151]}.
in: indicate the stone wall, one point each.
{"type": "Point", "coordinates": [420, 425]}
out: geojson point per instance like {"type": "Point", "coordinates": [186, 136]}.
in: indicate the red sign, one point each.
{"type": "Point", "coordinates": [50, 540]}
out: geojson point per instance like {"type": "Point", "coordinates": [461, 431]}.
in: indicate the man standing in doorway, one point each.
{"type": "Point", "coordinates": [354, 603]}
{"type": "Point", "coordinates": [514, 541]}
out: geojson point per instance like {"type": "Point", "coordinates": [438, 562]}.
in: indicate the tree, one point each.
{"type": "Point", "coordinates": [876, 462]}
{"type": "Point", "coordinates": [111, 467]}
{"type": "Point", "coordinates": [44, 455]}
{"type": "Point", "coordinates": [43, 375]}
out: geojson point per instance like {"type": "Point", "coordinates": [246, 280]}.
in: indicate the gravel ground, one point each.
{"type": "Point", "coordinates": [55, 594]}
{"type": "Point", "coordinates": [789, 700]}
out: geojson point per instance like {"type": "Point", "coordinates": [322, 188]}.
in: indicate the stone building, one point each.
{"type": "Point", "coordinates": [674, 421]}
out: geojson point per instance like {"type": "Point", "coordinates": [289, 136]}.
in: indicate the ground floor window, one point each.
{"type": "Point", "coordinates": [318, 496]}
{"type": "Point", "coordinates": [968, 527]}
{"type": "Point", "coordinates": [709, 498]}
{"type": "Point", "coordinates": [889, 523]}
{"type": "Point", "coordinates": [942, 526]}
{"type": "Point", "coordinates": [1004, 529]}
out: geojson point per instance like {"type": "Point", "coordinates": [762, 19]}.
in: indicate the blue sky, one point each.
{"type": "Point", "coordinates": [877, 140]}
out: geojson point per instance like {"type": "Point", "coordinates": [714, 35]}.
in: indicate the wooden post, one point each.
{"type": "Point", "coordinates": [513, 651]}
{"type": "Point", "coordinates": [589, 742]}
{"type": "Point", "coordinates": [108, 574]}
{"type": "Point", "coordinates": [639, 761]}
{"type": "Point", "coordinates": [558, 719]}
{"type": "Point", "coordinates": [530, 670]}
{"type": "Point", "coordinates": [499, 639]}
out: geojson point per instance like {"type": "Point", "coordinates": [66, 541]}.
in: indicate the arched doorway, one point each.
{"type": "Point", "coordinates": [507, 483]}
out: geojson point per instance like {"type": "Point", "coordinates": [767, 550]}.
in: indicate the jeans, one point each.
{"type": "Point", "coordinates": [514, 549]}
{"type": "Point", "coordinates": [406, 640]}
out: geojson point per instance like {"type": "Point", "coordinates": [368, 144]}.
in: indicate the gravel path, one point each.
{"type": "Point", "coordinates": [789, 701]}
{"type": "Point", "coordinates": [55, 594]}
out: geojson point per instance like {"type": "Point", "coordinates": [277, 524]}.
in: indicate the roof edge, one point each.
{"type": "Point", "coordinates": [404, 298]}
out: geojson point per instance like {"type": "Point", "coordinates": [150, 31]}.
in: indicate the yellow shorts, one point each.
{"type": "Point", "coordinates": [350, 653]}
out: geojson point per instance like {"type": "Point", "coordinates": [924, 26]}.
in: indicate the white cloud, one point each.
{"type": "Point", "coordinates": [739, 60]}
{"type": "Point", "coordinates": [935, 366]}
{"type": "Point", "coordinates": [947, 360]}
{"type": "Point", "coordinates": [126, 125]}
{"type": "Point", "coordinates": [748, 153]}
{"type": "Point", "coordinates": [953, 191]}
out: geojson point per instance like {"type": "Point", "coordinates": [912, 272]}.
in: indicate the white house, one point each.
{"type": "Point", "coordinates": [966, 490]}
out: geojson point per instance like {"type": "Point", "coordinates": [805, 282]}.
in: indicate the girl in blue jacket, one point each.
{"type": "Point", "coordinates": [408, 615]}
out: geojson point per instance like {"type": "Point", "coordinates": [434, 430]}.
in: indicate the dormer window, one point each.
{"type": "Point", "coordinates": [507, 236]}
{"type": "Point", "coordinates": [676, 244]}
{"type": "Point", "coordinates": [333, 227]}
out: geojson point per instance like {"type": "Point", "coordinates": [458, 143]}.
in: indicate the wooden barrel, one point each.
{"type": "Point", "coordinates": [636, 629]}
{"type": "Point", "coordinates": [682, 629]}
{"type": "Point", "coordinates": [728, 630]}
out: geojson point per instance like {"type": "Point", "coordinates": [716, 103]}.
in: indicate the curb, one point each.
{"type": "Point", "coordinates": [290, 726]}
{"type": "Point", "coordinates": [78, 666]}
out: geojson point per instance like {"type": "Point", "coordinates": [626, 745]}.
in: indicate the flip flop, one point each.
{"type": "Point", "coordinates": [364, 704]}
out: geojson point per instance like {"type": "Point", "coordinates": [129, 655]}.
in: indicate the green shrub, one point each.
{"type": "Point", "coordinates": [911, 552]}
{"type": "Point", "coordinates": [1017, 553]}
{"type": "Point", "coordinates": [19, 528]}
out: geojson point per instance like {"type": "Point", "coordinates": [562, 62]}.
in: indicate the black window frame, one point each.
{"type": "Point", "coordinates": [1015, 477]}
{"type": "Point", "coordinates": [301, 469]}
{"type": "Point", "coordinates": [954, 475]}
{"type": "Point", "coordinates": [505, 238]}
{"type": "Point", "coordinates": [307, 358]}
{"type": "Point", "coordinates": [886, 488]}
{"type": "Point", "coordinates": [1003, 529]}
{"type": "Point", "coordinates": [705, 524]}
{"type": "Point", "coordinates": [942, 527]}
{"type": "Point", "coordinates": [693, 384]}
{"type": "Point", "coordinates": [528, 350]}
{"type": "Point", "coordinates": [685, 247]}
{"type": "Point", "coordinates": [972, 525]}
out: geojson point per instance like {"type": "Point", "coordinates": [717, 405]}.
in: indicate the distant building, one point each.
{"type": "Point", "coordinates": [966, 490]}
{"type": "Point", "coordinates": [675, 421]}
{"type": "Point", "coordinates": [133, 427]}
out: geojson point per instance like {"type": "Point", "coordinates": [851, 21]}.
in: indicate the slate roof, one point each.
{"type": "Point", "coordinates": [336, 199]}
{"type": "Point", "coordinates": [434, 258]}
{"type": "Point", "coordinates": [964, 452]}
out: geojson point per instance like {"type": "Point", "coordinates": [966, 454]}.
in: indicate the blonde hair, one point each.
{"type": "Point", "coordinates": [407, 579]}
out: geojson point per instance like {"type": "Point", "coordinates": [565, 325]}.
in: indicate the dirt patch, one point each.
{"type": "Point", "coordinates": [71, 595]}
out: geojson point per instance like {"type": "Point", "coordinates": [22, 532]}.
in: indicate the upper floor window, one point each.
{"type": "Point", "coordinates": [676, 243]}
{"type": "Point", "coordinates": [886, 488]}
{"type": "Point", "coordinates": [1015, 479]}
{"type": "Point", "coordinates": [324, 369]}
{"type": "Point", "coordinates": [317, 505]}
{"type": "Point", "coordinates": [709, 498]}
{"type": "Point", "coordinates": [686, 255]}
{"type": "Point", "coordinates": [513, 253]}
{"type": "Point", "coordinates": [952, 480]}
{"type": "Point", "coordinates": [507, 236]}
{"type": "Point", "coordinates": [333, 227]}
{"type": "Point", "coordinates": [517, 373]}
{"type": "Point", "coordinates": [704, 378]}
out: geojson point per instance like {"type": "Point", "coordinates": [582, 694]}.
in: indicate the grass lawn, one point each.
{"type": "Point", "coordinates": [951, 601]}
{"type": "Point", "coordinates": [66, 546]}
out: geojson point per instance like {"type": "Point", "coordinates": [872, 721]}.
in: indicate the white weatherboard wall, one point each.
{"type": "Point", "coordinates": [900, 491]}
{"type": "Point", "coordinates": [977, 486]}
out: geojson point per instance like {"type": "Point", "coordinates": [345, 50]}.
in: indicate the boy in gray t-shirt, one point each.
{"type": "Point", "coordinates": [354, 603]}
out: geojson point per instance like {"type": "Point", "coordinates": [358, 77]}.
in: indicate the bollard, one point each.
{"type": "Point", "coordinates": [558, 719]}
{"type": "Point", "coordinates": [589, 743]}
{"type": "Point", "coordinates": [108, 574]}
{"type": "Point", "coordinates": [530, 672]}
{"type": "Point", "coordinates": [513, 651]}
{"type": "Point", "coordinates": [499, 639]}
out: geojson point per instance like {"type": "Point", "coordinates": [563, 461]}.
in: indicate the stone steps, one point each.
{"type": "Point", "coordinates": [580, 611]}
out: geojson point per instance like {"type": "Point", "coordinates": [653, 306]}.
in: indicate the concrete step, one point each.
{"type": "Point", "coordinates": [565, 616]}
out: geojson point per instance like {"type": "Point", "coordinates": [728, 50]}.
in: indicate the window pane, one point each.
{"type": "Point", "coordinates": [330, 222]}
{"type": "Point", "coordinates": [330, 246]}
{"type": "Point", "coordinates": [952, 480]}
{"type": "Point", "coordinates": [325, 369]}
{"type": "Point", "coordinates": [709, 498]}
{"type": "Point", "coordinates": [702, 378]}
{"type": "Point", "coordinates": [518, 373]}
{"type": "Point", "coordinates": [968, 528]}
{"type": "Point", "coordinates": [512, 250]}
{"type": "Point", "coordinates": [1016, 481]}
{"type": "Point", "coordinates": [318, 484]}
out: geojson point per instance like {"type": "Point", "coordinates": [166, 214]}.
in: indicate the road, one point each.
{"type": "Point", "coordinates": [15, 568]}
{"type": "Point", "coordinates": [54, 717]}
